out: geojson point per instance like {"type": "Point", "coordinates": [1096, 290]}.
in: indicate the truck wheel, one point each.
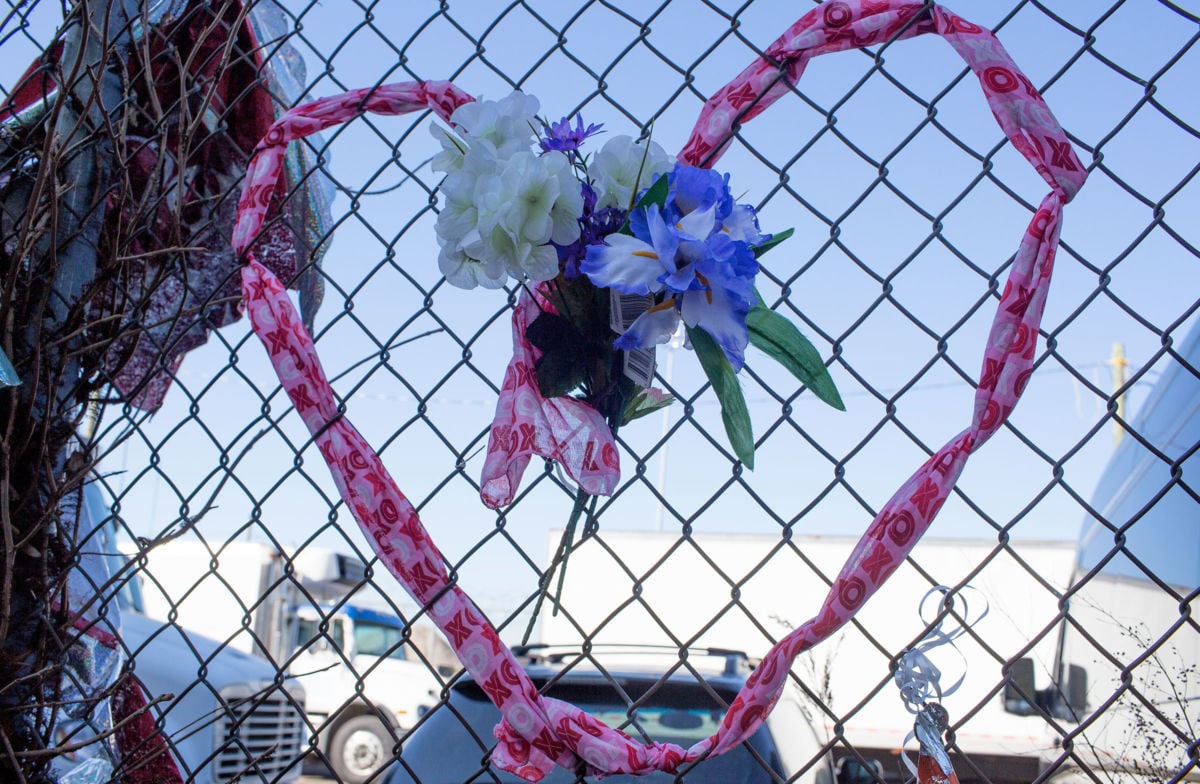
{"type": "Point", "coordinates": [360, 747]}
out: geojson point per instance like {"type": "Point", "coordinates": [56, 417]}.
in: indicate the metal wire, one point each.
{"type": "Point", "coordinates": [226, 460]}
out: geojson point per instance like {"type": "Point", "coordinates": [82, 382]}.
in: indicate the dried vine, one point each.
{"type": "Point", "coordinates": [95, 225]}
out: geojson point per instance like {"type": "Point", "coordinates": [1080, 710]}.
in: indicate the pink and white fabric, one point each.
{"type": "Point", "coordinates": [561, 428]}
{"type": "Point", "coordinates": [538, 732]}
{"type": "Point", "coordinates": [200, 95]}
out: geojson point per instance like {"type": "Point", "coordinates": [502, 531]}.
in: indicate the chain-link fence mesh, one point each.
{"type": "Point", "coordinates": [260, 619]}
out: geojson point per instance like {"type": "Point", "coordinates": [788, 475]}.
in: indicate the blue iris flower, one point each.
{"type": "Point", "coordinates": [697, 252]}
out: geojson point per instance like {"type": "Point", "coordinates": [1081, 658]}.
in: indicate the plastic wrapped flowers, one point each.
{"type": "Point", "coordinates": [613, 252]}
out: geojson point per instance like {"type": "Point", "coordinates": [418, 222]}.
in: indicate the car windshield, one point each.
{"type": "Point", "coordinates": [452, 744]}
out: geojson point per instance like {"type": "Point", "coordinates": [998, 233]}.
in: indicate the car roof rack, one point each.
{"type": "Point", "coordinates": [545, 653]}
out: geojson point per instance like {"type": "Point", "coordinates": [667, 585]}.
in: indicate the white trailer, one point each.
{"type": "Point", "coordinates": [1127, 678]}
{"type": "Point", "coordinates": [745, 591]}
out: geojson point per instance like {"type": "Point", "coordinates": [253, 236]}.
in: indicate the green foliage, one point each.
{"type": "Point", "coordinates": [779, 339]}
{"type": "Point", "coordinates": [734, 413]}
{"type": "Point", "coordinates": [559, 369]}
{"type": "Point", "coordinates": [655, 194]}
{"type": "Point", "coordinates": [576, 342]}
{"type": "Point", "coordinates": [643, 403]}
{"type": "Point", "coordinates": [777, 238]}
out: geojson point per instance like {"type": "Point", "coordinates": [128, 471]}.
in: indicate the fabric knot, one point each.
{"type": "Point", "coordinates": [1066, 185]}
{"type": "Point", "coordinates": [573, 739]}
{"type": "Point", "coordinates": [666, 757]}
{"type": "Point", "coordinates": [518, 756]}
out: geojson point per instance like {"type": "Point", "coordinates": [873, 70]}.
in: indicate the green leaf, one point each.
{"type": "Point", "coordinates": [734, 413]}
{"type": "Point", "coordinates": [655, 194]}
{"type": "Point", "coordinates": [583, 305]}
{"type": "Point", "coordinates": [550, 332]}
{"type": "Point", "coordinates": [779, 339]}
{"type": "Point", "coordinates": [559, 373]}
{"type": "Point", "coordinates": [562, 366]}
{"type": "Point", "coordinates": [644, 403]}
{"type": "Point", "coordinates": [776, 238]}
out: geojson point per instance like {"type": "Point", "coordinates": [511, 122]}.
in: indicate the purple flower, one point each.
{"type": "Point", "coordinates": [594, 226]}
{"type": "Point", "coordinates": [560, 136]}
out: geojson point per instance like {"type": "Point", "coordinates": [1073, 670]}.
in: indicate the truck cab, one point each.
{"type": "Point", "coordinates": [335, 647]}
{"type": "Point", "coordinates": [301, 612]}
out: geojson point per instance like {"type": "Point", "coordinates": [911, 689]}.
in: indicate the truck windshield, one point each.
{"type": "Point", "coordinates": [376, 639]}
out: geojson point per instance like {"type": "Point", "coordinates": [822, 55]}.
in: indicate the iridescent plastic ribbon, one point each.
{"type": "Point", "coordinates": [921, 690]}
{"type": "Point", "coordinates": [100, 706]}
{"type": "Point", "coordinates": [184, 169]}
{"type": "Point", "coordinates": [538, 732]}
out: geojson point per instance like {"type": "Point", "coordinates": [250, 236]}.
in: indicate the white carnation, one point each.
{"type": "Point", "coordinates": [467, 273]}
{"type": "Point", "coordinates": [459, 215]}
{"type": "Point", "coordinates": [503, 203]}
{"type": "Point", "coordinates": [454, 148]}
{"type": "Point", "coordinates": [615, 170]}
{"type": "Point", "coordinates": [509, 125]}
{"type": "Point", "coordinates": [546, 200]}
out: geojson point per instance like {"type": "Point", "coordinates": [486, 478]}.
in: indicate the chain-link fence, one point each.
{"type": "Point", "coordinates": [267, 637]}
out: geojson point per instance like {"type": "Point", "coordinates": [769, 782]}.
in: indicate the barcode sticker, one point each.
{"type": "Point", "coordinates": [623, 309]}
{"type": "Point", "coordinates": [639, 366]}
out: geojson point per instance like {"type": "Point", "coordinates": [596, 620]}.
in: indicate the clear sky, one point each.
{"type": "Point", "coordinates": [1123, 276]}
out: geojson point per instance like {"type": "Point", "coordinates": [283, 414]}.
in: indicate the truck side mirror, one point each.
{"type": "Point", "coordinates": [851, 770]}
{"type": "Point", "coordinates": [1077, 687]}
{"type": "Point", "coordinates": [1020, 689]}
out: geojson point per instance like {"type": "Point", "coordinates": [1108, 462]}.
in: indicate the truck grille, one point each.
{"type": "Point", "coordinates": [259, 737]}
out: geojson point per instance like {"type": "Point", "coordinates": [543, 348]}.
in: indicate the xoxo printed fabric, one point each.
{"type": "Point", "coordinates": [562, 428]}
{"type": "Point", "coordinates": [532, 735]}
{"type": "Point", "coordinates": [536, 732]}
{"type": "Point", "coordinates": [1009, 352]}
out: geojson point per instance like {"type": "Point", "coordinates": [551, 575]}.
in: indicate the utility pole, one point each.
{"type": "Point", "coordinates": [1118, 363]}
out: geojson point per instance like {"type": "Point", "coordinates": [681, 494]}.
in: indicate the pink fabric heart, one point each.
{"type": "Point", "coordinates": [536, 732]}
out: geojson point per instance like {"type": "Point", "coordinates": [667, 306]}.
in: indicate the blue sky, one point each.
{"type": "Point", "coordinates": [1153, 277]}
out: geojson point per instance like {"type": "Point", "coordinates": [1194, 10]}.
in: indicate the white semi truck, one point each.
{"type": "Point", "coordinates": [225, 715]}
{"type": "Point", "coordinates": [367, 674]}
{"type": "Point", "coordinates": [1125, 683]}
{"type": "Point", "coordinates": [760, 590]}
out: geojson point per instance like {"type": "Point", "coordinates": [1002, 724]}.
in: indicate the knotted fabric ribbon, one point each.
{"type": "Point", "coordinates": [538, 732]}
{"type": "Point", "coordinates": [560, 428]}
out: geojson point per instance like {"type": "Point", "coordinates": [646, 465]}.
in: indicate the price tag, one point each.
{"type": "Point", "coordinates": [623, 311]}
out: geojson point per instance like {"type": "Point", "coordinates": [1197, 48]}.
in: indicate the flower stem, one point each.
{"type": "Point", "coordinates": [568, 536]}
{"type": "Point", "coordinates": [559, 561]}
